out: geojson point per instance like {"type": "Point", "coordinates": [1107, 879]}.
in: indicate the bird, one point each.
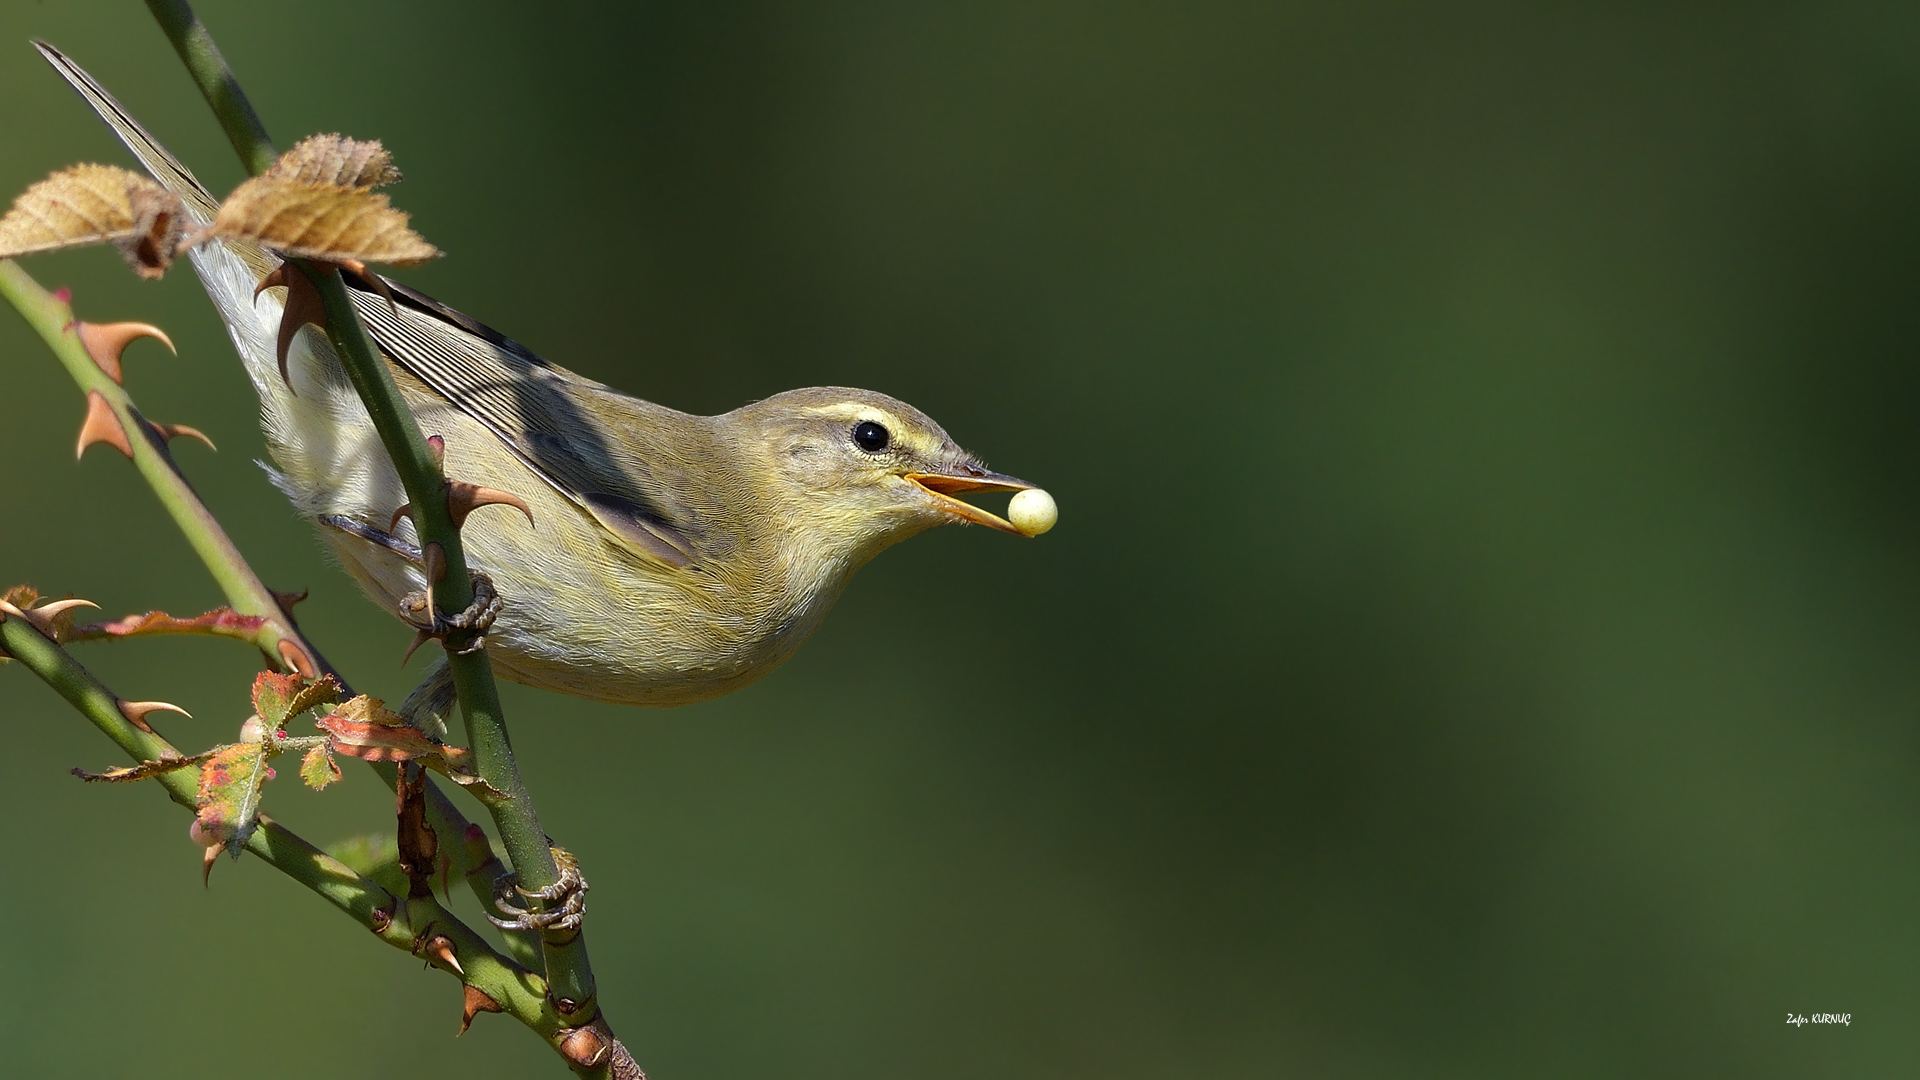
{"type": "Point", "coordinates": [663, 558]}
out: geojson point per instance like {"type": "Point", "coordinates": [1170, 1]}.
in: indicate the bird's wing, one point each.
{"type": "Point", "coordinates": [590, 443]}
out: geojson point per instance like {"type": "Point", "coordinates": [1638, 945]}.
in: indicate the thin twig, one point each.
{"type": "Point", "coordinates": [520, 993]}
{"type": "Point", "coordinates": [276, 636]}
{"type": "Point", "coordinates": [569, 974]}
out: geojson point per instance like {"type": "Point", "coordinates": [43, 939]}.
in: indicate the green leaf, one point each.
{"type": "Point", "coordinates": [376, 856]}
{"type": "Point", "coordinates": [229, 795]}
{"type": "Point", "coordinates": [278, 698]}
{"type": "Point", "coordinates": [318, 769]}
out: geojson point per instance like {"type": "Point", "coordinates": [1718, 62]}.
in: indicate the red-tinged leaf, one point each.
{"type": "Point", "coordinates": [229, 796]}
{"type": "Point", "coordinates": [318, 768]}
{"type": "Point", "coordinates": [278, 698]}
{"type": "Point", "coordinates": [143, 770]}
{"type": "Point", "coordinates": [378, 742]}
{"type": "Point", "coordinates": [221, 621]}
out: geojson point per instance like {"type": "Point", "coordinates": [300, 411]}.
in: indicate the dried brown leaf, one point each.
{"type": "Point", "coordinates": [337, 161]}
{"type": "Point", "coordinates": [143, 770]}
{"type": "Point", "coordinates": [91, 204]}
{"type": "Point", "coordinates": [324, 222]}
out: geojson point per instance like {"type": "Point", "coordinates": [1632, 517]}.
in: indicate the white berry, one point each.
{"type": "Point", "coordinates": [1032, 511]}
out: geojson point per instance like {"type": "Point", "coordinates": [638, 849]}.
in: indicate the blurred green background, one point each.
{"type": "Point", "coordinates": [1481, 635]}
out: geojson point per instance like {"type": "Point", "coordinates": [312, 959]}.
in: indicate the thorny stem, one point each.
{"type": "Point", "coordinates": [567, 967]}
{"type": "Point", "coordinates": [521, 993]}
{"type": "Point", "coordinates": [53, 319]}
{"type": "Point", "coordinates": [217, 84]}
{"type": "Point", "coordinates": [568, 972]}
{"type": "Point", "coordinates": [404, 926]}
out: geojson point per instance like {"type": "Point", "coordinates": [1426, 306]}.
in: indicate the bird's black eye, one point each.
{"type": "Point", "coordinates": [870, 436]}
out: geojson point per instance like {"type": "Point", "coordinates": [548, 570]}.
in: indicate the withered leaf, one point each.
{"type": "Point", "coordinates": [91, 204]}
{"type": "Point", "coordinates": [325, 222]}
{"type": "Point", "coordinates": [222, 621]}
{"type": "Point", "coordinates": [365, 728]}
{"type": "Point", "coordinates": [278, 698]}
{"type": "Point", "coordinates": [143, 770]}
{"type": "Point", "coordinates": [337, 161]}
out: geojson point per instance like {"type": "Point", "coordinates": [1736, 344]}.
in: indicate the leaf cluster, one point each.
{"type": "Point", "coordinates": [316, 202]}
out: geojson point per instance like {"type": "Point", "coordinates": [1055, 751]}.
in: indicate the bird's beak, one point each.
{"type": "Point", "coordinates": [943, 486]}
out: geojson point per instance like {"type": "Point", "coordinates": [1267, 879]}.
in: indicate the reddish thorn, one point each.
{"type": "Point", "coordinates": [105, 342]}
{"type": "Point", "coordinates": [170, 432]}
{"type": "Point", "coordinates": [420, 637]}
{"type": "Point", "coordinates": [206, 866]}
{"type": "Point", "coordinates": [42, 617]}
{"type": "Point", "coordinates": [296, 658]}
{"type": "Point", "coordinates": [303, 306]}
{"type": "Point", "coordinates": [136, 712]}
{"type": "Point", "coordinates": [440, 948]}
{"type": "Point", "coordinates": [464, 498]}
{"type": "Point", "coordinates": [63, 294]}
{"type": "Point", "coordinates": [101, 426]}
{"type": "Point", "coordinates": [475, 1001]}
{"type": "Point", "coordinates": [406, 510]}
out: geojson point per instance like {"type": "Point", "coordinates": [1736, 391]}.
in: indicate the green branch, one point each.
{"type": "Point", "coordinates": [568, 971]}
{"type": "Point", "coordinates": [408, 927]}
{"type": "Point", "coordinates": [53, 319]}
{"type": "Point", "coordinates": [217, 84]}
{"type": "Point", "coordinates": [277, 636]}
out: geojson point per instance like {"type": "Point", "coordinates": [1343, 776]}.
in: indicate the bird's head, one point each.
{"type": "Point", "coordinates": [857, 471]}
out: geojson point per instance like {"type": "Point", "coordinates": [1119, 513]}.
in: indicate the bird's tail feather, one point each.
{"type": "Point", "coordinates": [163, 166]}
{"type": "Point", "coordinates": [310, 434]}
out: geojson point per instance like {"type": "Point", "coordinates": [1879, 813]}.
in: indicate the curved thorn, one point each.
{"type": "Point", "coordinates": [406, 510]}
{"type": "Point", "coordinates": [54, 607]}
{"type": "Point", "coordinates": [303, 306]}
{"type": "Point", "coordinates": [476, 1001]}
{"type": "Point", "coordinates": [296, 658]}
{"type": "Point", "coordinates": [286, 600]}
{"type": "Point", "coordinates": [206, 865]}
{"type": "Point", "coordinates": [136, 712]}
{"type": "Point", "coordinates": [171, 432]}
{"type": "Point", "coordinates": [7, 608]}
{"type": "Point", "coordinates": [101, 426]}
{"type": "Point", "coordinates": [433, 559]}
{"type": "Point", "coordinates": [106, 341]}
{"type": "Point", "coordinates": [420, 637]}
{"type": "Point", "coordinates": [464, 498]}
{"type": "Point", "coordinates": [441, 949]}
{"type": "Point", "coordinates": [274, 280]}
{"type": "Point", "coordinates": [378, 283]}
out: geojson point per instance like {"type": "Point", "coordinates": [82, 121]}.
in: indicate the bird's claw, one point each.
{"type": "Point", "coordinates": [570, 892]}
{"type": "Point", "coordinates": [417, 608]}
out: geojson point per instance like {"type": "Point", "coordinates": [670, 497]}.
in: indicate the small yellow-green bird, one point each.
{"type": "Point", "coordinates": [670, 558]}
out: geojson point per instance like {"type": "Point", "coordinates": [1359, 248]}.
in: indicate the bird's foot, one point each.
{"type": "Point", "coordinates": [417, 608]}
{"type": "Point", "coordinates": [563, 903]}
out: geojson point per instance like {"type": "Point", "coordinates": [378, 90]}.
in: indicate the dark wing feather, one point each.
{"type": "Point", "coordinates": [598, 447]}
